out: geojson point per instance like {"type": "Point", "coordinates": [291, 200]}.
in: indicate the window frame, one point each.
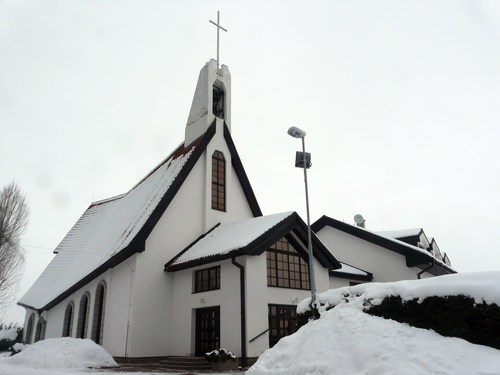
{"type": "Point", "coordinates": [213, 282]}
{"type": "Point", "coordinates": [218, 181]}
{"type": "Point", "coordinates": [290, 273]}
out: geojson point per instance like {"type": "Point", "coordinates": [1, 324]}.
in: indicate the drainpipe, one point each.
{"type": "Point", "coordinates": [243, 316]}
{"type": "Point", "coordinates": [426, 269]}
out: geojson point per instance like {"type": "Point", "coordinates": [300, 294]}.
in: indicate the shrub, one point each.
{"type": "Point", "coordinates": [455, 316]}
{"type": "Point", "coordinates": [221, 355]}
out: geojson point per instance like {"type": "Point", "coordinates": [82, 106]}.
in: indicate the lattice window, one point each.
{"type": "Point", "coordinates": [218, 181]}
{"type": "Point", "coordinates": [286, 268]}
{"type": "Point", "coordinates": [207, 279]}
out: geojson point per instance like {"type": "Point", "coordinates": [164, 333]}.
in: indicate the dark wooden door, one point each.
{"type": "Point", "coordinates": [281, 322]}
{"type": "Point", "coordinates": [207, 330]}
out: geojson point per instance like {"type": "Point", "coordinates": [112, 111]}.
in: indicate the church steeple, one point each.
{"type": "Point", "coordinates": [212, 100]}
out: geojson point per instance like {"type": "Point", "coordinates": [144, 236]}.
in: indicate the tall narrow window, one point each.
{"type": "Point", "coordinates": [286, 268]}
{"type": "Point", "coordinates": [68, 320]}
{"type": "Point", "coordinates": [83, 317]}
{"type": "Point", "coordinates": [38, 330]}
{"type": "Point", "coordinates": [218, 181]}
{"type": "Point", "coordinates": [29, 329]}
{"type": "Point", "coordinates": [99, 310]}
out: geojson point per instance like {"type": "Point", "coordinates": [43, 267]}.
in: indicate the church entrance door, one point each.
{"type": "Point", "coordinates": [207, 330]}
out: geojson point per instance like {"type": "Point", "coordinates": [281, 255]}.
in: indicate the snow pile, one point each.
{"type": "Point", "coordinates": [62, 353]}
{"type": "Point", "coordinates": [8, 333]}
{"type": "Point", "coordinates": [347, 341]}
{"type": "Point", "coordinates": [482, 286]}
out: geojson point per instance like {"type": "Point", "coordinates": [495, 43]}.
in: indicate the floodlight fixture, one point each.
{"type": "Point", "coordinates": [296, 132]}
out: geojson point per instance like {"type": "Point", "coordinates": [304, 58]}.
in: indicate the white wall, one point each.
{"type": "Point", "coordinates": [185, 302]}
{"type": "Point", "coordinates": [384, 264]}
{"type": "Point", "coordinates": [113, 313]}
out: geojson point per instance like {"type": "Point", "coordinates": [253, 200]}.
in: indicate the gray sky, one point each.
{"type": "Point", "coordinates": [400, 102]}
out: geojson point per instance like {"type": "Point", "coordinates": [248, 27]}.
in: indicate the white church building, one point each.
{"type": "Point", "coordinates": [185, 262]}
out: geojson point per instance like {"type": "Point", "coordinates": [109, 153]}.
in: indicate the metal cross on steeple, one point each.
{"type": "Point", "coordinates": [218, 27]}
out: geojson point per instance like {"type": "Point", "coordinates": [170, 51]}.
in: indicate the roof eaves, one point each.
{"type": "Point", "coordinates": [352, 276]}
{"type": "Point", "coordinates": [170, 265]}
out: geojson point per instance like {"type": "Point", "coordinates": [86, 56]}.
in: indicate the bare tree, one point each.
{"type": "Point", "coordinates": [14, 216]}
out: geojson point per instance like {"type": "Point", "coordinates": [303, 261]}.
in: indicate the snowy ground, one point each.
{"type": "Point", "coordinates": [344, 341]}
{"type": "Point", "coordinates": [66, 356]}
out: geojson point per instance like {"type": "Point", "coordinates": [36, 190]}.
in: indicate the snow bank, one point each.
{"type": "Point", "coordinates": [9, 334]}
{"type": "Point", "coordinates": [482, 286]}
{"type": "Point", "coordinates": [347, 341]}
{"type": "Point", "coordinates": [62, 353]}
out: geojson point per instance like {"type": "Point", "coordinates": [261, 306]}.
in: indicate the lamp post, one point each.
{"type": "Point", "coordinates": [305, 160]}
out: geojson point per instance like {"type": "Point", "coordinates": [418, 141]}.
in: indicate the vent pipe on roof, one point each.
{"type": "Point", "coordinates": [359, 220]}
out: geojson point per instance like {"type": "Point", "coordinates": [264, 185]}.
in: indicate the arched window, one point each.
{"type": "Point", "coordinates": [29, 329]}
{"type": "Point", "coordinates": [218, 181]}
{"type": "Point", "coordinates": [38, 330]}
{"type": "Point", "coordinates": [99, 310]}
{"type": "Point", "coordinates": [68, 320]}
{"type": "Point", "coordinates": [83, 317]}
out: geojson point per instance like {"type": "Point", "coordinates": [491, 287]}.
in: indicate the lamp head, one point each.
{"type": "Point", "coordinates": [296, 132]}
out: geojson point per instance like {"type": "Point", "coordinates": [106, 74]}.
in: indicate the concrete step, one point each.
{"type": "Point", "coordinates": [185, 363]}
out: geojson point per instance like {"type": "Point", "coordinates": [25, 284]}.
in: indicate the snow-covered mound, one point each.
{"type": "Point", "coordinates": [482, 286]}
{"type": "Point", "coordinates": [62, 353]}
{"type": "Point", "coordinates": [347, 341]}
{"type": "Point", "coordinates": [8, 334]}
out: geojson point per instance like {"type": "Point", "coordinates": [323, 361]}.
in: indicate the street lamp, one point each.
{"type": "Point", "coordinates": [303, 160]}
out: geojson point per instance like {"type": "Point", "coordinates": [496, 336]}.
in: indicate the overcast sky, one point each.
{"type": "Point", "coordinates": [400, 102]}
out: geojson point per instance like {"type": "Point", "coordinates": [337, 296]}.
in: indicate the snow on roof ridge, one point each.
{"type": "Point", "coordinates": [400, 233]}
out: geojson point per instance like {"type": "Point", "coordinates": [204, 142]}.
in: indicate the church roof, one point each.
{"type": "Point", "coordinates": [106, 228]}
{"type": "Point", "coordinates": [113, 229]}
{"type": "Point", "coordinates": [415, 257]}
{"type": "Point", "coordinates": [249, 237]}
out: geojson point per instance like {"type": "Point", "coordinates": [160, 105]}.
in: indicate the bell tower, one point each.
{"type": "Point", "coordinates": [212, 100]}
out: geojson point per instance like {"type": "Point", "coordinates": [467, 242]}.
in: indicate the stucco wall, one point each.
{"type": "Point", "coordinates": [185, 302]}
{"type": "Point", "coordinates": [384, 264]}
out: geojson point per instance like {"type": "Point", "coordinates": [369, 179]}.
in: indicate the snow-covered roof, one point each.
{"type": "Point", "coordinates": [250, 237]}
{"type": "Point", "coordinates": [106, 228]}
{"type": "Point", "coordinates": [400, 233]}
{"type": "Point", "coordinates": [351, 272]}
{"type": "Point", "coordinates": [228, 237]}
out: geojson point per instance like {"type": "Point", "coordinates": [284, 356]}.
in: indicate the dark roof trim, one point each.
{"type": "Point", "coordinates": [347, 275]}
{"type": "Point", "coordinates": [189, 246]}
{"type": "Point", "coordinates": [110, 263]}
{"type": "Point", "coordinates": [137, 245]}
{"type": "Point", "coordinates": [240, 172]}
{"type": "Point", "coordinates": [292, 223]}
{"type": "Point", "coordinates": [413, 257]}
